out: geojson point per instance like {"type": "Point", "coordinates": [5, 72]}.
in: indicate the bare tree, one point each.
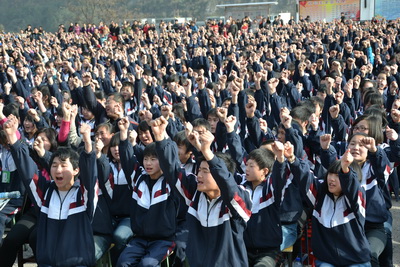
{"type": "Point", "coordinates": [94, 11]}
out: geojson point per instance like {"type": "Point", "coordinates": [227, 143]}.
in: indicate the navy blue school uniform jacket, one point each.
{"type": "Point", "coordinates": [266, 198]}
{"type": "Point", "coordinates": [338, 224]}
{"type": "Point", "coordinates": [215, 226]}
{"type": "Point", "coordinates": [375, 174]}
{"type": "Point", "coordinates": [64, 233]}
{"type": "Point", "coordinates": [115, 187]}
{"type": "Point", "coordinates": [154, 206]}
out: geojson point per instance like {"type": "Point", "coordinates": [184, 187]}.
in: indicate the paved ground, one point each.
{"type": "Point", "coordinates": [396, 236]}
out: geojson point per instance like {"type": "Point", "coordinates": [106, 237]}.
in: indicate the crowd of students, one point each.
{"type": "Point", "coordinates": [215, 146]}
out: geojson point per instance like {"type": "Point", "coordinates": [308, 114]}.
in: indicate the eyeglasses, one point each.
{"type": "Point", "coordinates": [360, 128]}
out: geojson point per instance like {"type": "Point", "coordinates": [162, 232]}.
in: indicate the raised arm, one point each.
{"type": "Point", "coordinates": [88, 171]}
{"type": "Point", "coordinates": [378, 159]}
{"type": "Point", "coordinates": [167, 153]}
{"type": "Point", "coordinates": [351, 188]}
{"type": "Point", "coordinates": [234, 196]}
{"type": "Point", "coordinates": [328, 152]}
{"type": "Point", "coordinates": [236, 148]}
{"type": "Point", "coordinates": [278, 170]}
{"type": "Point", "coordinates": [27, 169]}
{"type": "Point", "coordinates": [129, 162]}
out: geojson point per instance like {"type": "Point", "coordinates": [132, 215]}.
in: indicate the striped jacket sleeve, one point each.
{"type": "Point", "coordinates": [36, 184]}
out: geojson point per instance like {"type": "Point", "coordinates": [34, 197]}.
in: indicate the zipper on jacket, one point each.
{"type": "Point", "coordinates": [208, 215]}
{"type": "Point", "coordinates": [334, 211]}
{"type": "Point", "coordinates": [62, 201]}
{"type": "Point", "coordinates": [210, 208]}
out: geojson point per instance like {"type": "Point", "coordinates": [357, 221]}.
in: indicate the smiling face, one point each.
{"type": "Point", "coordinates": [63, 173]}
{"type": "Point", "coordinates": [104, 135]}
{"type": "Point", "coordinates": [357, 150]}
{"type": "Point", "coordinates": [112, 107]}
{"type": "Point", "coordinates": [126, 92]}
{"type": "Point", "coordinates": [29, 127]}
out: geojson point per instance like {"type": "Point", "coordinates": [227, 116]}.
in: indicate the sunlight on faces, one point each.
{"type": "Point", "coordinates": [145, 137]}
{"type": "Point", "coordinates": [213, 120]}
{"type": "Point", "coordinates": [205, 180]}
{"type": "Point", "coordinates": [382, 81]}
{"type": "Point", "coordinates": [46, 141]}
{"type": "Point", "coordinates": [253, 172]}
{"type": "Point", "coordinates": [104, 135]}
{"type": "Point", "coordinates": [126, 93]}
{"type": "Point", "coordinates": [111, 107]}
{"type": "Point", "coordinates": [63, 173]}
{"type": "Point", "coordinates": [333, 182]}
{"type": "Point", "coordinates": [361, 127]}
{"type": "Point", "coordinates": [357, 150]}
{"type": "Point", "coordinates": [152, 166]}
{"type": "Point", "coordinates": [29, 126]}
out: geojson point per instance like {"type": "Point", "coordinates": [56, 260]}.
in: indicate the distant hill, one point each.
{"type": "Point", "coordinates": [17, 14]}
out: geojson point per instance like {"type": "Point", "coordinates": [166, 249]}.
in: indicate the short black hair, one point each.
{"type": "Point", "coordinates": [173, 78]}
{"type": "Point", "coordinates": [322, 89]}
{"type": "Point", "coordinates": [144, 126]}
{"type": "Point", "coordinates": [228, 160]}
{"type": "Point", "coordinates": [263, 157]}
{"type": "Point", "coordinates": [202, 122]}
{"type": "Point", "coordinates": [128, 84]}
{"type": "Point", "coordinates": [100, 94]}
{"type": "Point", "coordinates": [301, 113]}
{"type": "Point", "coordinates": [179, 111]}
{"type": "Point", "coordinates": [117, 97]}
{"type": "Point", "coordinates": [181, 140]}
{"type": "Point", "coordinates": [212, 112]}
{"type": "Point", "coordinates": [150, 151]}
{"type": "Point", "coordinates": [336, 167]}
{"type": "Point", "coordinates": [147, 72]}
{"type": "Point", "coordinates": [64, 153]}
{"type": "Point", "coordinates": [51, 134]}
{"type": "Point", "coordinates": [317, 101]}
{"type": "Point", "coordinates": [11, 108]}
{"type": "Point", "coordinates": [106, 125]}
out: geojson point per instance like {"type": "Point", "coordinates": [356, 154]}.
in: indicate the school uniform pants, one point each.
{"type": "Point", "coordinates": [145, 253]}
